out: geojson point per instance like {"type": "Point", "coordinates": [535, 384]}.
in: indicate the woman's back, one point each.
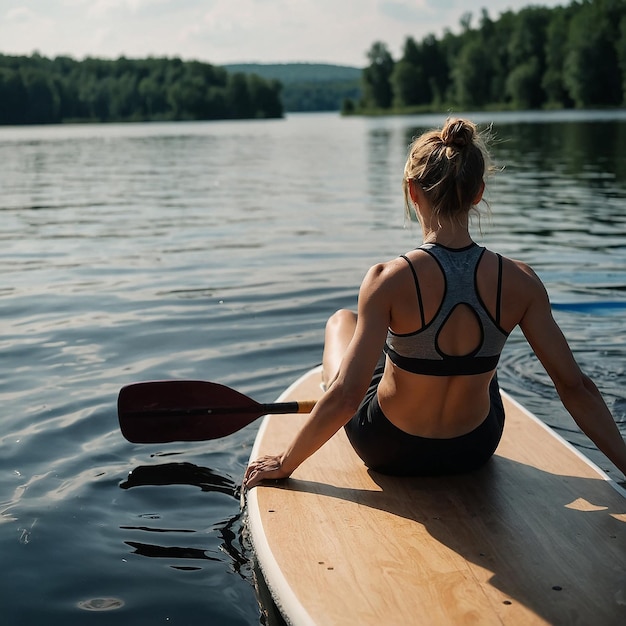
{"type": "Point", "coordinates": [450, 319]}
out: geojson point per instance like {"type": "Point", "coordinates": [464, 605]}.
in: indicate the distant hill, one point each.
{"type": "Point", "coordinates": [308, 86]}
{"type": "Point", "coordinates": [298, 72]}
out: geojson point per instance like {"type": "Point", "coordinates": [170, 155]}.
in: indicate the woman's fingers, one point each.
{"type": "Point", "coordinates": [264, 468]}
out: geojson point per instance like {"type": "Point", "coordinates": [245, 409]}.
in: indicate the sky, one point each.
{"type": "Point", "coordinates": [233, 31]}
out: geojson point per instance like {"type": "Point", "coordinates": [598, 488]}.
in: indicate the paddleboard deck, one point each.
{"type": "Point", "coordinates": [538, 536]}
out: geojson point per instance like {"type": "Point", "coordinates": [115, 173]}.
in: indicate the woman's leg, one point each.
{"type": "Point", "coordinates": [339, 331]}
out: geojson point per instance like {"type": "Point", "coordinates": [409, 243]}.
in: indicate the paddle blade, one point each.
{"type": "Point", "coordinates": [182, 410]}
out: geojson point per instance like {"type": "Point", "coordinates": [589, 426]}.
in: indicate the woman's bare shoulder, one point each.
{"type": "Point", "coordinates": [522, 289]}
{"type": "Point", "coordinates": [521, 272]}
{"type": "Point", "coordinates": [388, 270]}
{"type": "Point", "coordinates": [385, 278]}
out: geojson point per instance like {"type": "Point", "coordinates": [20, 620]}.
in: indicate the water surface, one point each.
{"type": "Point", "coordinates": [216, 251]}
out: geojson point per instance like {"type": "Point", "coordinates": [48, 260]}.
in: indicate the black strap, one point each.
{"type": "Point", "coordinates": [417, 289]}
{"type": "Point", "coordinates": [499, 292]}
{"type": "Point", "coordinates": [449, 366]}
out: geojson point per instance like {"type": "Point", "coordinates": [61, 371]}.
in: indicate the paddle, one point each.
{"type": "Point", "coordinates": [190, 410]}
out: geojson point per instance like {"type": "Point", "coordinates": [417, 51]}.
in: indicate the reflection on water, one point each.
{"type": "Point", "coordinates": [216, 251]}
{"type": "Point", "coordinates": [228, 531]}
{"type": "Point", "coordinates": [181, 474]}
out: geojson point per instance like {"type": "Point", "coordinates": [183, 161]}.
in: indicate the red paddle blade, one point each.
{"type": "Point", "coordinates": [183, 410]}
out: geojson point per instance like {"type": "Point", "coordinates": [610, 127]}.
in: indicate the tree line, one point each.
{"type": "Point", "coordinates": [562, 57]}
{"type": "Point", "coordinates": [38, 90]}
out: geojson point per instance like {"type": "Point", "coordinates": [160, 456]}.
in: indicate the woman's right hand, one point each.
{"type": "Point", "coordinates": [267, 467]}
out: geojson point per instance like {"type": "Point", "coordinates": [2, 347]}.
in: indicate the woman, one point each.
{"type": "Point", "coordinates": [440, 316]}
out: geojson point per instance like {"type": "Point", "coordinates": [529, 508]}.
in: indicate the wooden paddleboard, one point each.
{"type": "Point", "coordinates": [538, 536]}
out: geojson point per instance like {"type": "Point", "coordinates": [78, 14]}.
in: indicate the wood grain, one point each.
{"type": "Point", "coordinates": [538, 536]}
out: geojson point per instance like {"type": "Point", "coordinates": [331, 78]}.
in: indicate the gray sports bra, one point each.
{"type": "Point", "coordinates": [419, 352]}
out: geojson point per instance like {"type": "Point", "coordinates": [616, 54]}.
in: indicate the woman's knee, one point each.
{"type": "Point", "coordinates": [340, 319]}
{"type": "Point", "coordinates": [339, 331]}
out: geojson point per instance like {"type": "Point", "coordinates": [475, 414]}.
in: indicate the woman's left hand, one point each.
{"type": "Point", "coordinates": [266, 467]}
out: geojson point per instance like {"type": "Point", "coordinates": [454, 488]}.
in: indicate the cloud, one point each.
{"type": "Point", "coordinates": [101, 8]}
{"type": "Point", "coordinates": [224, 31]}
{"type": "Point", "coordinates": [26, 24]}
{"type": "Point", "coordinates": [258, 29]}
{"type": "Point", "coordinates": [288, 30]}
{"type": "Point", "coordinates": [449, 4]}
{"type": "Point", "coordinates": [22, 15]}
{"type": "Point", "coordinates": [405, 11]}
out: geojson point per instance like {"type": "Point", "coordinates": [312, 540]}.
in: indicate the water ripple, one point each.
{"type": "Point", "coordinates": [138, 252]}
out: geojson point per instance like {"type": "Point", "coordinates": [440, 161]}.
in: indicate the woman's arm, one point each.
{"type": "Point", "coordinates": [344, 395]}
{"type": "Point", "coordinates": [578, 393]}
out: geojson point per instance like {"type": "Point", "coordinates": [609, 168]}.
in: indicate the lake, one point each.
{"type": "Point", "coordinates": [216, 251]}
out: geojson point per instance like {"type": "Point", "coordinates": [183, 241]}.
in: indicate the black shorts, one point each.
{"type": "Point", "coordinates": [389, 450]}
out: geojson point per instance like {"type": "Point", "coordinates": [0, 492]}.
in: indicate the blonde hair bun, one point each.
{"type": "Point", "coordinates": [458, 133]}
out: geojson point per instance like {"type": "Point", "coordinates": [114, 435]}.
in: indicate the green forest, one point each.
{"type": "Point", "coordinates": [564, 57]}
{"type": "Point", "coordinates": [535, 58]}
{"type": "Point", "coordinates": [38, 90]}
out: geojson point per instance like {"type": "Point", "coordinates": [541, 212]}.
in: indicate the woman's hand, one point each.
{"type": "Point", "coordinates": [266, 467]}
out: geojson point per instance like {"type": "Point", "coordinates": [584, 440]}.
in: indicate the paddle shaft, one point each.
{"type": "Point", "coordinates": [305, 406]}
